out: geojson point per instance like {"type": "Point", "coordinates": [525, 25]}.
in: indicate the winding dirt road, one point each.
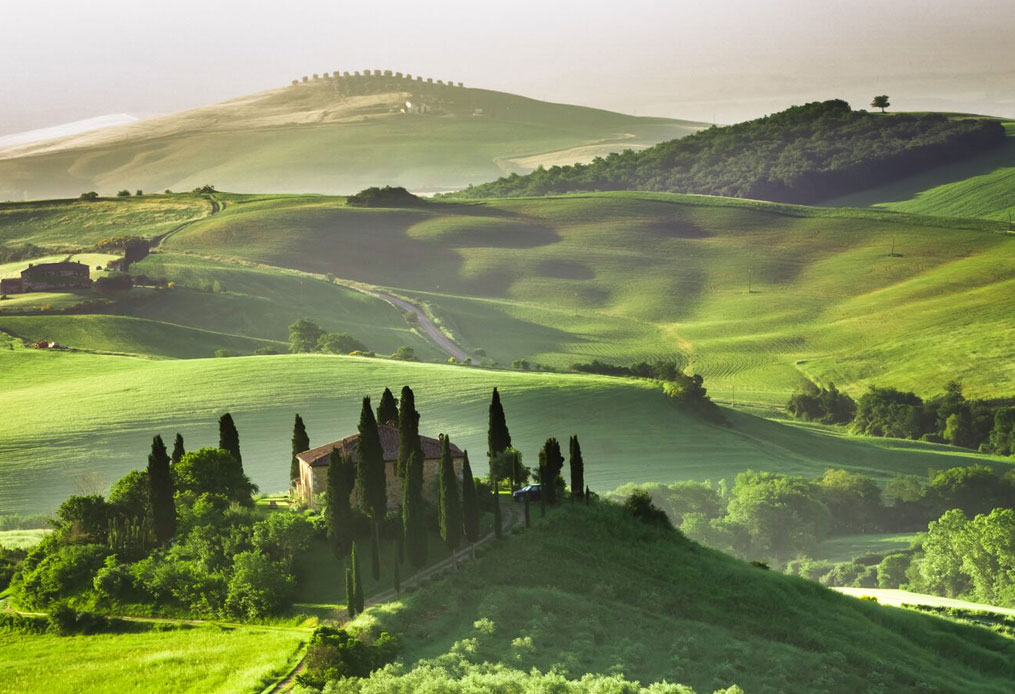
{"type": "Point", "coordinates": [427, 326]}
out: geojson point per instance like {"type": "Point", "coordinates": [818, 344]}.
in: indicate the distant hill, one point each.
{"type": "Point", "coordinates": [594, 590]}
{"type": "Point", "coordinates": [804, 154]}
{"type": "Point", "coordinates": [330, 135]}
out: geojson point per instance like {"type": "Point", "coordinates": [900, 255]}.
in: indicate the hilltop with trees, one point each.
{"type": "Point", "coordinates": [804, 154]}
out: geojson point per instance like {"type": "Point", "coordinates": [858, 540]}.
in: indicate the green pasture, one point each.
{"type": "Point", "coordinates": [205, 660]}
{"type": "Point", "coordinates": [85, 419]}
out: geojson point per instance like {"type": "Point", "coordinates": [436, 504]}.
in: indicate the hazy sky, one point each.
{"type": "Point", "coordinates": [62, 61]}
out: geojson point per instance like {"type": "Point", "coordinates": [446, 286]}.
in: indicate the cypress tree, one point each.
{"type": "Point", "coordinates": [551, 463]}
{"type": "Point", "coordinates": [160, 492]}
{"type": "Point", "coordinates": [412, 512]}
{"type": "Point", "coordinates": [229, 438]}
{"type": "Point", "coordinates": [498, 524]}
{"type": "Point", "coordinates": [178, 450]}
{"type": "Point", "coordinates": [449, 505]}
{"type": "Point", "coordinates": [350, 593]}
{"type": "Point", "coordinates": [588, 495]}
{"type": "Point", "coordinates": [577, 469]}
{"type": "Point", "coordinates": [396, 577]}
{"type": "Point", "coordinates": [542, 483]}
{"type": "Point", "coordinates": [371, 492]}
{"type": "Point", "coordinates": [387, 410]}
{"type": "Point", "coordinates": [357, 581]}
{"type": "Point", "coordinates": [301, 442]}
{"type": "Point", "coordinates": [375, 553]}
{"type": "Point", "coordinates": [470, 502]}
{"type": "Point", "coordinates": [408, 430]}
{"type": "Point", "coordinates": [498, 436]}
{"type": "Point", "coordinates": [338, 512]}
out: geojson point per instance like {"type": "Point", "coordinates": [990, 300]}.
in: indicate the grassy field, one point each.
{"type": "Point", "coordinates": [84, 420]}
{"type": "Point", "coordinates": [594, 590]}
{"type": "Point", "coordinates": [849, 547]}
{"type": "Point", "coordinates": [754, 296]}
{"type": "Point", "coordinates": [202, 660]}
{"type": "Point", "coordinates": [71, 224]}
{"type": "Point", "coordinates": [312, 139]}
{"type": "Point", "coordinates": [977, 187]}
{"type": "Point", "coordinates": [21, 538]}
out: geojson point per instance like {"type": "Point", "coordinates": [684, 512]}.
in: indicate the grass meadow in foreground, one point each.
{"type": "Point", "coordinates": [202, 660]}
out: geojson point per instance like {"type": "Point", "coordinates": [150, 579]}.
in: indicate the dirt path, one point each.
{"type": "Point", "coordinates": [512, 517]}
{"type": "Point", "coordinates": [216, 207]}
{"type": "Point", "coordinates": [428, 327]}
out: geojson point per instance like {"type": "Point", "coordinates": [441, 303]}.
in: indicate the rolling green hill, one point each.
{"type": "Point", "coordinates": [804, 154]}
{"type": "Point", "coordinates": [594, 590]}
{"type": "Point", "coordinates": [331, 136]}
{"type": "Point", "coordinates": [755, 296]}
{"type": "Point", "coordinates": [980, 186]}
{"type": "Point", "coordinates": [83, 420]}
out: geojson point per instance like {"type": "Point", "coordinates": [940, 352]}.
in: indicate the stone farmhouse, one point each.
{"type": "Point", "coordinates": [314, 466]}
{"type": "Point", "coordinates": [46, 277]}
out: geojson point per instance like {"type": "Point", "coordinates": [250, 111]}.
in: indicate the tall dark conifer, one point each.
{"type": "Point", "coordinates": [543, 476]}
{"type": "Point", "coordinates": [470, 502]}
{"type": "Point", "coordinates": [301, 442]}
{"type": "Point", "coordinates": [413, 521]}
{"type": "Point", "coordinates": [498, 436]}
{"type": "Point", "coordinates": [387, 409]}
{"type": "Point", "coordinates": [350, 593]}
{"type": "Point", "coordinates": [357, 581]}
{"type": "Point", "coordinates": [408, 430]}
{"type": "Point", "coordinates": [160, 492]}
{"type": "Point", "coordinates": [449, 504]}
{"type": "Point", "coordinates": [371, 490]}
{"type": "Point", "coordinates": [229, 438]}
{"type": "Point", "coordinates": [178, 450]}
{"type": "Point", "coordinates": [338, 512]}
{"type": "Point", "coordinates": [498, 522]}
{"type": "Point", "coordinates": [396, 573]}
{"type": "Point", "coordinates": [554, 463]}
{"type": "Point", "coordinates": [577, 469]}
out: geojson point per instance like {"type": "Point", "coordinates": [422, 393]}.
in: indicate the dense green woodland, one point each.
{"type": "Point", "coordinates": [803, 154]}
{"type": "Point", "coordinates": [987, 426]}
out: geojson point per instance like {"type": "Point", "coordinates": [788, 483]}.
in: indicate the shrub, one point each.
{"type": "Point", "coordinates": [60, 575]}
{"type": "Point", "coordinates": [258, 586]}
{"type": "Point", "coordinates": [339, 343]}
{"type": "Point", "coordinates": [65, 620]}
{"type": "Point", "coordinates": [123, 193]}
{"type": "Point", "coordinates": [90, 196]}
{"type": "Point", "coordinates": [404, 353]}
{"type": "Point", "coordinates": [640, 505]}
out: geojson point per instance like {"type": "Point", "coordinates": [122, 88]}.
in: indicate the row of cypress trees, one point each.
{"type": "Point", "coordinates": [161, 490]}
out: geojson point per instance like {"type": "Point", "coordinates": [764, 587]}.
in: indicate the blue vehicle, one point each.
{"type": "Point", "coordinates": [530, 492]}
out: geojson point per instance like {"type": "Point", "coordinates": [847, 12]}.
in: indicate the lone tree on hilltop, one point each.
{"type": "Point", "coordinates": [338, 512]}
{"type": "Point", "coordinates": [449, 504]}
{"type": "Point", "coordinates": [387, 410]}
{"type": "Point", "coordinates": [301, 442]}
{"type": "Point", "coordinates": [881, 102]}
{"type": "Point", "coordinates": [408, 430]}
{"type": "Point", "coordinates": [229, 438]}
{"type": "Point", "coordinates": [178, 450]}
{"type": "Point", "coordinates": [160, 492]}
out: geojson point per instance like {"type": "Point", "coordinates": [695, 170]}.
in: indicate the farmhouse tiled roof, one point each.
{"type": "Point", "coordinates": [389, 442]}
{"type": "Point", "coordinates": [54, 267]}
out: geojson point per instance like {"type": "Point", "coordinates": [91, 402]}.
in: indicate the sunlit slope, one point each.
{"type": "Point", "coordinates": [592, 589]}
{"type": "Point", "coordinates": [755, 296]}
{"type": "Point", "coordinates": [327, 137]}
{"type": "Point", "coordinates": [83, 420]}
{"type": "Point", "coordinates": [72, 223]}
{"type": "Point", "coordinates": [981, 186]}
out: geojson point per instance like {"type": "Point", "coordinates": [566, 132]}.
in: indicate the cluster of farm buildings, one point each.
{"type": "Point", "coordinates": [46, 277]}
